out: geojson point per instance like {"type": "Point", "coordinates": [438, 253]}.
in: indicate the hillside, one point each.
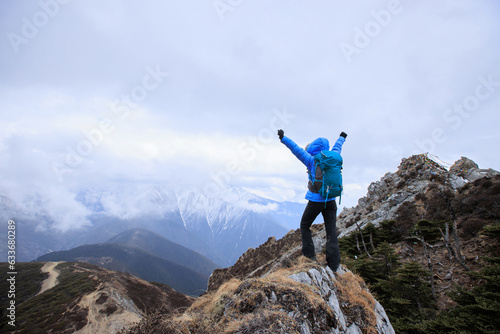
{"type": "Point", "coordinates": [433, 224]}
{"type": "Point", "coordinates": [165, 249]}
{"type": "Point", "coordinates": [85, 299]}
{"type": "Point", "coordinates": [137, 262]}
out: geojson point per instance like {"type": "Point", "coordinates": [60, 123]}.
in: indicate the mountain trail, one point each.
{"type": "Point", "coordinates": [51, 281]}
{"type": "Point", "coordinates": [102, 317]}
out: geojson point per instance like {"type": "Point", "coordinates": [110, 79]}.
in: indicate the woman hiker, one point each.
{"type": "Point", "coordinates": [316, 203]}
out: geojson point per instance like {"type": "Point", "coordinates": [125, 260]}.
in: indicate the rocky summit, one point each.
{"type": "Point", "coordinates": [295, 296]}
{"type": "Point", "coordinates": [418, 180]}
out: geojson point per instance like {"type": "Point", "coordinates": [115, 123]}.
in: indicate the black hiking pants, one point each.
{"type": "Point", "coordinates": [329, 212]}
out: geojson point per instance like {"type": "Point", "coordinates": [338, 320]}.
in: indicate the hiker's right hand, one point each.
{"type": "Point", "coordinates": [343, 134]}
{"type": "Point", "coordinates": [281, 133]}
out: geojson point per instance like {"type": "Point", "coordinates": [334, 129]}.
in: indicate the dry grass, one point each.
{"type": "Point", "coordinates": [301, 264]}
{"type": "Point", "coordinates": [283, 283]}
{"type": "Point", "coordinates": [356, 301]}
{"type": "Point", "coordinates": [210, 303]}
{"type": "Point", "coordinates": [264, 321]}
{"type": "Point", "coordinates": [203, 315]}
{"type": "Point", "coordinates": [246, 307]}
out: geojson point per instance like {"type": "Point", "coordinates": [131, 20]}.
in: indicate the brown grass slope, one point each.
{"type": "Point", "coordinates": [87, 299]}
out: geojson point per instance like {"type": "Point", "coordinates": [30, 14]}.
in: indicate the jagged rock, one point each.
{"type": "Point", "coordinates": [463, 167]}
{"type": "Point", "coordinates": [414, 177]}
{"type": "Point", "coordinates": [324, 280]}
{"type": "Point", "coordinates": [457, 182]}
{"type": "Point", "coordinates": [469, 170]}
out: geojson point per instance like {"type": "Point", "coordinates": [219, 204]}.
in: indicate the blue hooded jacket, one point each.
{"type": "Point", "coordinates": [307, 158]}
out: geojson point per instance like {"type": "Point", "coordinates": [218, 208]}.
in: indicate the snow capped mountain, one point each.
{"type": "Point", "coordinates": [220, 226]}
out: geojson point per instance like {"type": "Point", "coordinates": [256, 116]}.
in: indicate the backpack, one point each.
{"type": "Point", "coordinates": [328, 179]}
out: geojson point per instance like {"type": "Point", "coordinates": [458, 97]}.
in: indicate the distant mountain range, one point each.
{"type": "Point", "coordinates": [220, 227]}
{"type": "Point", "coordinates": [165, 249]}
{"type": "Point", "coordinates": [134, 261]}
{"type": "Point", "coordinates": [146, 255]}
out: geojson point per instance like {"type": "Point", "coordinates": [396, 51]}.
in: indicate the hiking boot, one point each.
{"type": "Point", "coordinates": [334, 269]}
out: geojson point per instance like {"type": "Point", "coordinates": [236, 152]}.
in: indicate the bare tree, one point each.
{"type": "Point", "coordinates": [363, 240]}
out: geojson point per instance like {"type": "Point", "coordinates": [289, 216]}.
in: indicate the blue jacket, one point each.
{"type": "Point", "coordinates": [307, 158]}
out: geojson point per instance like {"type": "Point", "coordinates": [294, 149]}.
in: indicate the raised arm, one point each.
{"type": "Point", "coordinates": [301, 154]}
{"type": "Point", "coordinates": [337, 147]}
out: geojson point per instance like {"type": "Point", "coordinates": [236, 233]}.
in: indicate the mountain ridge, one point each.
{"type": "Point", "coordinates": [134, 261]}
{"type": "Point", "coordinates": [86, 299]}
{"type": "Point", "coordinates": [404, 206]}
{"type": "Point", "coordinates": [159, 246]}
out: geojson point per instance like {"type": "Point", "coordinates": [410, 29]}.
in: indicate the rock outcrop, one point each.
{"type": "Point", "coordinates": [469, 170]}
{"type": "Point", "coordinates": [417, 177]}
{"type": "Point", "coordinates": [304, 298]}
{"type": "Point", "coordinates": [332, 288]}
{"type": "Point", "coordinates": [420, 197]}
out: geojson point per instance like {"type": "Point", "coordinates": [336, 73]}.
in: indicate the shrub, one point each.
{"type": "Point", "coordinates": [406, 216]}
{"type": "Point", "coordinates": [429, 230]}
{"type": "Point", "coordinates": [470, 227]}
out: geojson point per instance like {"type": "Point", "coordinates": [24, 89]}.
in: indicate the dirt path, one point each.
{"type": "Point", "coordinates": [97, 319]}
{"type": "Point", "coordinates": [51, 281]}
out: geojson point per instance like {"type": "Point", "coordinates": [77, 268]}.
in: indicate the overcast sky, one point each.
{"type": "Point", "coordinates": [193, 91]}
